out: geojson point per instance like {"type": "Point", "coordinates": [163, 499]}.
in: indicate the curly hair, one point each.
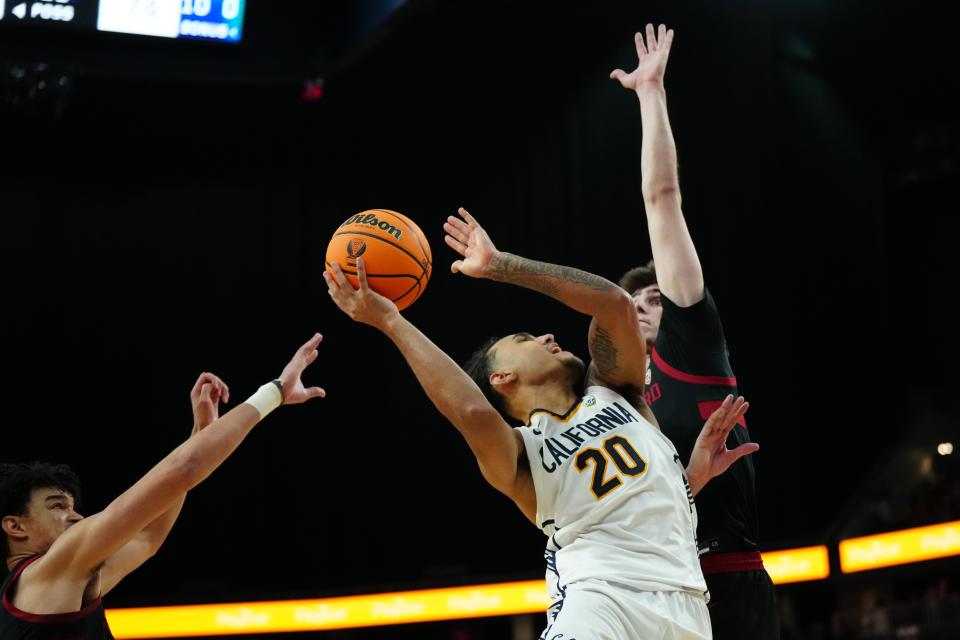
{"type": "Point", "coordinates": [18, 481]}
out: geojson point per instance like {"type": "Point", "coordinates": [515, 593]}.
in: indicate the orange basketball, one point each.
{"type": "Point", "coordinates": [394, 250]}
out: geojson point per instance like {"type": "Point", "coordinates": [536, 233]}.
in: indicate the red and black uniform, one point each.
{"type": "Point", "coordinates": [90, 623]}
{"type": "Point", "coordinates": [689, 375]}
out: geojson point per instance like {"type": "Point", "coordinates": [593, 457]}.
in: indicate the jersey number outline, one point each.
{"type": "Point", "coordinates": [617, 449]}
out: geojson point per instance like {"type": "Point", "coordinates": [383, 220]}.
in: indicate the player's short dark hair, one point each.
{"type": "Point", "coordinates": [18, 481]}
{"type": "Point", "coordinates": [479, 367]}
{"type": "Point", "coordinates": [638, 278]}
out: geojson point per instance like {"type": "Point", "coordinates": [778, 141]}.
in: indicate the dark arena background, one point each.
{"type": "Point", "coordinates": [166, 204]}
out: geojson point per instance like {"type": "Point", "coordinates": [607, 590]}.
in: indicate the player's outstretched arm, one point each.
{"type": "Point", "coordinates": [678, 267]}
{"type": "Point", "coordinates": [615, 339]}
{"type": "Point", "coordinates": [90, 543]}
{"type": "Point", "coordinates": [710, 456]}
{"type": "Point", "coordinates": [205, 398]}
{"type": "Point", "coordinates": [497, 447]}
{"type": "Point", "coordinates": [480, 258]}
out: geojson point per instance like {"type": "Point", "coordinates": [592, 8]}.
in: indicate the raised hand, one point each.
{"type": "Point", "coordinates": [293, 390]}
{"type": "Point", "coordinates": [364, 304]}
{"type": "Point", "coordinates": [468, 238]}
{"type": "Point", "coordinates": [205, 397]}
{"type": "Point", "coordinates": [710, 456]}
{"type": "Point", "coordinates": [651, 60]}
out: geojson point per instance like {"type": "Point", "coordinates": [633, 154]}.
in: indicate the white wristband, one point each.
{"type": "Point", "coordinates": [267, 398]}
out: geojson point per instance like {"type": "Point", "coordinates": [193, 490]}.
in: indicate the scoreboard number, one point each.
{"type": "Point", "coordinates": [145, 17]}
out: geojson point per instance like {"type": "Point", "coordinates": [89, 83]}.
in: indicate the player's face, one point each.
{"type": "Point", "coordinates": [649, 311]}
{"type": "Point", "coordinates": [50, 513]}
{"type": "Point", "coordinates": [536, 359]}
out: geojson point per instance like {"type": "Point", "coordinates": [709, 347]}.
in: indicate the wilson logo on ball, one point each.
{"type": "Point", "coordinates": [399, 262]}
{"type": "Point", "coordinates": [355, 248]}
{"type": "Point", "coordinates": [372, 220]}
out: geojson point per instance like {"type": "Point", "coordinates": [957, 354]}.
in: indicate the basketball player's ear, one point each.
{"type": "Point", "coordinates": [13, 528]}
{"type": "Point", "coordinates": [501, 380]}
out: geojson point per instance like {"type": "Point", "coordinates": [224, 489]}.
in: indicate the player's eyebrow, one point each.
{"type": "Point", "coordinates": [57, 496]}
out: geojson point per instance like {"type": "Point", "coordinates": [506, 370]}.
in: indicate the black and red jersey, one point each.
{"type": "Point", "coordinates": [90, 623]}
{"type": "Point", "coordinates": [688, 377]}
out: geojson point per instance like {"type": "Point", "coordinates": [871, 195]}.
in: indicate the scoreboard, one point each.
{"type": "Point", "coordinates": [220, 20]}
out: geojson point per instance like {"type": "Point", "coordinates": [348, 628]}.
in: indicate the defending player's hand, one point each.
{"type": "Point", "coordinates": [469, 239]}
{"type": "Point", "coordinates": [205, 398]}
{"type": "Point", "coordinates": [364, 304]}
{"type": "Point", "coordinates": [652, 60]}
{"type": "Point", "coordinates": [293, 390]}
{"type": "Point", "coordinates": [710, 456]}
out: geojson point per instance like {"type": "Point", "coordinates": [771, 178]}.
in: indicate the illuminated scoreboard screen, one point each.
{"type": "Point", "coordinates": [220, 20]}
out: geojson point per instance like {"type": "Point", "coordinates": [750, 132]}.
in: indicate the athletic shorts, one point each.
{"type": "Point", "coordinates": [743, 605]}
{"type": "Point", "coordinates": [597, 610]}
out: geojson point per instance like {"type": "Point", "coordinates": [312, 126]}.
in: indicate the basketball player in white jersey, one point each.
{"type": "Point", "coordinates": [592, 472]}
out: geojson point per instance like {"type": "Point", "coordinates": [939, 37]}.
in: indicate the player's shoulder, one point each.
{"type": "Point", "coordinates": [600, 393]}
{"type": "Point", "coordinates": [19, 567]}
{"type": "Point", "coordinates": [31, 573]}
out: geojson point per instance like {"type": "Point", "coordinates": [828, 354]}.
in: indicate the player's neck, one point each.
{"type": "Point", "coordinates": [555, 397]}
{"type": "Point", "coordinates": [17, 556]}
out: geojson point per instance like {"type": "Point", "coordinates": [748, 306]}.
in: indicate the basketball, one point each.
{"type": "Point", "coordinates": [394, 249]}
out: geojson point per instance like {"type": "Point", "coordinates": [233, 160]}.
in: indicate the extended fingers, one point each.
{"type": "Point", "coordinates": [734, 411]}
{"type": "Point", "coordinates": [641, 48]}
{"type": "Point", "coordinates": [339, 276]}
{"type": "Point", "coordinates": [339, 296]}
{"type": "Point", "coordinates": [332, 285]}
{"type": "Point", "coordinates": [311, 344]}
{"type": "Point", "coordinates": [668, 38]}
{"type": "Point", "coordinates": [743, 450]}
{"type": "Point", "coordinates": [731, 413]}
{"type": "Point", "coordinates": [717, 424]}
{"type": "Point", "coordinates": [457, 225]}
{"type": "Point", "coordinates": [720, 414]}
{"type": "Point", "coordinates": [742, 408]}
{"type": "Point", "coordinates": [458, 233]}
{"type": "Point", "coordinates": [651, 39]}
{"type": "Point", "coordinates": [466, 216]}
{"type": "Point", "coordinates": [362, 274]}
{"type": "Point", "coordinates": [456, 245]}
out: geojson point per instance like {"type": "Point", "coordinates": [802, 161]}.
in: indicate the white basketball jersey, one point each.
{"type": "Point", "coordinates": [612, 498]}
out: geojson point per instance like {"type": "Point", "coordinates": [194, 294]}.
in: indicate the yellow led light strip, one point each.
{"type": "Point", "coordinates": [331, 613]}
{"type": "Point", "coordinates": [900, 547]}
{"type": "Point", "coordinates": [512, 598]}
{"type": "Point", "coordinates": [797, 565]}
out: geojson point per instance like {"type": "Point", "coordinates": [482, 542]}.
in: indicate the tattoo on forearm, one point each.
{"type": "Point", "coordinates": [541, 276]}
{"type": "Point", "coordinates": [603, 351]}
